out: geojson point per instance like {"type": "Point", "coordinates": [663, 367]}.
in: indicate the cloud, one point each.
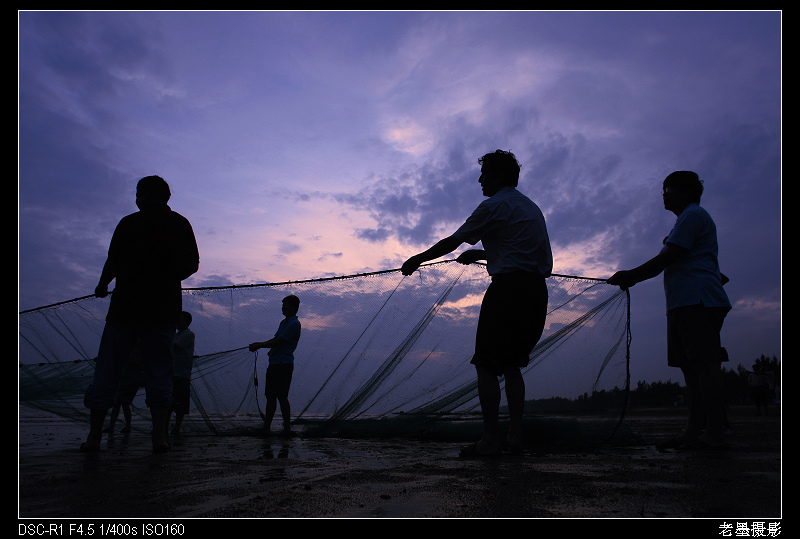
{"type": "Point", "coordinates": [303, 144]}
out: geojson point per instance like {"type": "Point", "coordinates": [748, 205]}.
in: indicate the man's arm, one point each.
{"type": "Point", "coordinates": [627, 278]}
{"type": "Point", "coordinates": [110, 267]}
{"type": "Point", "coordinates": [275, 341]}
{"type": "Point", "coordinates": [187, 256]}
{"type": "Point", "coordinates": [101, 290]}
{"type": "Point", "coordinates": [441, 248]}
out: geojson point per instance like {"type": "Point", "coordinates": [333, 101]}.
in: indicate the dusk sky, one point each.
{"type": "Point", "coordinates": [303, 145]}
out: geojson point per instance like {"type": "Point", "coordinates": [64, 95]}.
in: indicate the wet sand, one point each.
{"type": "Point", "coordinates": [246, 477]}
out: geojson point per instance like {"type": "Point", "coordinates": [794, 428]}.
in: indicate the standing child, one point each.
{"type": "Point", "coordinates": [182, 361]}
{"type": "Point", "coordinates": [281, 363]}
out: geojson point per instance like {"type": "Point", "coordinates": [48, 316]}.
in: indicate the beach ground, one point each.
{"type": "Point", "coordinates": [238, 477]}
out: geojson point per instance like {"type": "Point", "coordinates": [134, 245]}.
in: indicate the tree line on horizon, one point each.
{"type": "Point", "coordinates": [757, 386]}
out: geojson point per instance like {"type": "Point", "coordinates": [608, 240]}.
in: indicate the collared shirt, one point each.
{"type": "Point", "coordinates": [512, 230]}
{"type": "Point", "coordinates": [289, 331]}
{"type": "Point", "coordinates": [694, 278]}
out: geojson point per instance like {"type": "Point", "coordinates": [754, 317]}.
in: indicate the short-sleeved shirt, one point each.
{"type": "Point", "coordinates": [694, 278]}
{"type": "Point", "coordinates": [183, 354]}
{"type": "Point", "coordinates": [289, 331]}
{"type": "Point", "coordinates": [512, 230]}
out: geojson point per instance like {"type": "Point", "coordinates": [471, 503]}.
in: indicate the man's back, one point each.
{"type": "Point", "coordinates": [512, 229]}
{"type": "Point", "coordinates": [151, 252]}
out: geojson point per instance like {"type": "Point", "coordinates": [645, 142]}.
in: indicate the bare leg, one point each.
{"type": "Point", "coordinates": [269, 412]}
{"type": "Point", "coordinates": [704, 393]}
{"type": "Point", "coordinates": [96, 419]}
{"type": "Point", "coordinates": [285, 413]}
{"type": "Point", "coordinates": [112, 419]}
{"type": "Point", "coordinates": [160, 415]}
{"type": "Point", "coordinates": [489, 396]}
{"type": "Point", "coordinates": [176, 429]}
{"type": "Point", "coordinates": [697, 416]}
{"type": "Point", "coordinates": [712, 399]}
{"type": "Point", "coordinates": [515, 395]}
{"type": "Point", "coordinates": [126, 411]}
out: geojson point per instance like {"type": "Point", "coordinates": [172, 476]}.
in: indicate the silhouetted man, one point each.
{"type": "Point", "coordinates": [696, 307]}
{"type": "Point", "coordinates": [150, 253]}
{"type": "Point", "coordinates": [281, 363]}
{"type": "Point", "coordinates": [517, 250]}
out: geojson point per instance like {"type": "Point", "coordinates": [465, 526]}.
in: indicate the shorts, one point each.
{"type": "Point", "coordinates": [116, 344]}
{"type": "Point", "coordinates": [278, 380]}
{"type": "Point", "coordinates": [181, 394]}
{"type": "Point", "coordinates": [511, 321]}
{"type": "Point", "coordinates": [693, 335]}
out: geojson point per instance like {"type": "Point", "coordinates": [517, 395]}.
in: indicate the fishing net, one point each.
{"type": "Point", "coordinates": [380, 355]}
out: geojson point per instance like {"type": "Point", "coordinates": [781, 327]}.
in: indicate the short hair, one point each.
{"type": "Point", "coordinates": [187, 315]}
{"type": "Point", "coordinates": [153, 187]}
{"type": "Point", "coordinates": [504, 164]}
{"type": "Point", "coordinates": [687, 182]}
{"type": "Point", "coordinates": [292, 300]}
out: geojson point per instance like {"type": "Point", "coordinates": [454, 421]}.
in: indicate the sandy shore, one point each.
{"type": "Point", "coordinates": [214, 477]}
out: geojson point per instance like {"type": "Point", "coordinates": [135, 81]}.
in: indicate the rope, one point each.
{"type": "Point", "coordinates": [255, 383]}
{"type": "Point", "coordinates": [303, 281]}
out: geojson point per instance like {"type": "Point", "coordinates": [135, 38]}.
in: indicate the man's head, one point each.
{"type": "Point", "coordinates": [688, 183]}
{"type": "Point", "coordinates": [290, 306]}
{"type": "Point", "coordinates": [498, 169]}
{"type": "Point", "coordinates": [184, 320]}
{"type": "Point", "coordinates": [152, 189]}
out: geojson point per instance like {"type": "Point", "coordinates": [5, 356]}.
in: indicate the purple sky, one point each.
{"type": "Point", "coordinates": [305, 145]}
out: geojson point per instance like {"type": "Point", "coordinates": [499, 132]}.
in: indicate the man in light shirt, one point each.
{"type": "Point", "coordinates": [696, 308]}
{"type": "Point", "coordinates": [281, 364]}
{"type": "Point", "coordinates": [516, 248]}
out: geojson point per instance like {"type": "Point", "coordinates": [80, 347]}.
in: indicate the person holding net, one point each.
{"type": "Point", "coordinates": [696, 308]}
{"type": "Point", "coordinates": [278, 378]}
{"type": "Point", "coordinates": [150, 253]}
{"type": "Point", "coordinates": [516, 247]}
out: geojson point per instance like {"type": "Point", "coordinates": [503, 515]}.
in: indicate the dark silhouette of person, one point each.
{"type": "Point", "coordinates": [131, 381]}
{"type": "Point", "coordinates": [516, 248]}
{"type": "Point", "coordinates": [150, 253]}
{"type": "Point", "coordinates": [696, 308]}
{"type": "Point", "coordinates": [762, 383]}
{"type": "Point", "coordinates": [183, 361]}
{"type": "Point", "coordinates": [278, 378]}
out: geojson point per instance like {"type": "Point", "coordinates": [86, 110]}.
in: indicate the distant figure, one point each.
{"type": "Point", "coordinates": [182, 362]}
{"type": "Point", "coordinates": [517, 250]}
{"type": "Point", "coordinates": [131, 381]}
{"type": "Point", "coordinates": [696, 308]}
{"type": "Point", "coordinates": [762, 384]}
{"type": "Point", "coordinates": [150, 253]}
{"type": "Point", "coordinates": [281, 364]}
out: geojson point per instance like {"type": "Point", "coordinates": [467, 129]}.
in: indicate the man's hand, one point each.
{"type": "Point", "coordinates": [470, 256]}
{"type": "Point", "coordinates": [254, 346]}
{"type": "Point", "coordinates": [101, 291]}
{"type": "Point", "coordinates": [621, 279]}
{"type": "Point", "coordinates": [410, 265]}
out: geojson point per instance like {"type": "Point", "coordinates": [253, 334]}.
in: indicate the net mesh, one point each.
{"type": "Point", "coordinates": [380, 354]}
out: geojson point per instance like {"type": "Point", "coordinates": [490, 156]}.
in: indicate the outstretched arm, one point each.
{"type": "Point", "coordinates": [275, 341]}
{"type": "Point", "coordinates": [648, 270]}
{"type": "Point", "coordinates": [441, 248]}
